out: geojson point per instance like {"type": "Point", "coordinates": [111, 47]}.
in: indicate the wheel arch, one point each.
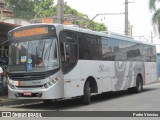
{"type": "Point", "coordinates": [93, 84]}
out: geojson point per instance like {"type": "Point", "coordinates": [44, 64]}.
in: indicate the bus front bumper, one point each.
{"type": "Point", "coordinates": [54, 92]}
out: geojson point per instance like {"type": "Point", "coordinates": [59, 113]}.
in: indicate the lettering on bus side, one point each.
{"type": "Point", "coordinates": [103, 68]}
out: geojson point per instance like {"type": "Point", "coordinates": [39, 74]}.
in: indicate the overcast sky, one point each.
{"type": "Point", "coordinates": [139, 14]}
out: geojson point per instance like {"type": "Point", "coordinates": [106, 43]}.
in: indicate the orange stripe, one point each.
{"type": "Point", "coordinates": [19, 83]}
{"type": "Point", "coordinates": [144, 74]}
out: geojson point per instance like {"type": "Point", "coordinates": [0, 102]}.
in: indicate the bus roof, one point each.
{"type": "Point", "coordinates": [106, 34]}
{"type": "Point", "coordinates": [82, 30]}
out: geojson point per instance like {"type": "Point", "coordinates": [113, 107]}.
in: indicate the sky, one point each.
{"type": "Point", "coordinates": [139, 15]}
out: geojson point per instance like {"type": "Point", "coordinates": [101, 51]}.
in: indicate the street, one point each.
{"type": "Point", "coordinates": [148, 100]}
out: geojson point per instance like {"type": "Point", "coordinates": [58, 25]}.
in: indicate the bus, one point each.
{"type": "Point", "coordinates": [55, 61]}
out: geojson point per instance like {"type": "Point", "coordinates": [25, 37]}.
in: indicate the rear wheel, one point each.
{"type": "Point", "coordinates": [139, 86]}
{"type": "Point", "coordinates": [86, 98]}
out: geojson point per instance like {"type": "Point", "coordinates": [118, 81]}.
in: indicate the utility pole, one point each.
{"type": "Point", "coordinates": [131, 30]}
{"type": "Point", "coordinates": [126, 17]}
{"type": "Point", "coordinates": [151, 37]}
{"type": "Point", "coordinates": [60, 12]}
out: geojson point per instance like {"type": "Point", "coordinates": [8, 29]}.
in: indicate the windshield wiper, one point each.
{"type": "Point", "coordinates": [50, 49]}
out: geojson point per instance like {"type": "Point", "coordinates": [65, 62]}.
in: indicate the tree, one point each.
{"type": "Point", "coordinates": [156, 14]}
{"type": "Point", "coordinates": [44, 8]}
{"type": "Point", "coordinates": [29, 9]}
{"type": "Point", "coordinates": [22, 8]}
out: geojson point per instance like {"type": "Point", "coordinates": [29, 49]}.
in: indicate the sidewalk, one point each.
{"type": "Point", "coordinates": [5, 101]}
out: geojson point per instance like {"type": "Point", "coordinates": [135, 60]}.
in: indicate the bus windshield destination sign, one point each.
{"type": "Point", "coordinates": [30, 32]}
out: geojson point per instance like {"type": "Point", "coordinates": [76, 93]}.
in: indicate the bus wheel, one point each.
{"type": "Point", "coordinates": [86, 98]}
{"type": "Point", "coordinates": [139, 86]}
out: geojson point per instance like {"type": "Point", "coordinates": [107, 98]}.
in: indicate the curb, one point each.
{"type": "Point", "coordinates": [17, 102]}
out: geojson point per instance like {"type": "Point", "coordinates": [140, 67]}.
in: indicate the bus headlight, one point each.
{"type": "Point", "coordinates": [11, 86]}
{"type": "Point", "coordinates": [46, 85]}
{"type": "Point", "coordinates": [52, 82]}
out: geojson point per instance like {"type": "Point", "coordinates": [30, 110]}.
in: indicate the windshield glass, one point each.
{"type": "Point", "coordinates": [35, 55]}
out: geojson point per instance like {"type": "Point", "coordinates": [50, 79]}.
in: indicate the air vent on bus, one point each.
{"type": "Point", "coordinates": [27, 77]}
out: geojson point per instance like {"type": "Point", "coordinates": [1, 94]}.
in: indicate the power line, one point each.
{"type": "Point", "coordinates": [105, 14]}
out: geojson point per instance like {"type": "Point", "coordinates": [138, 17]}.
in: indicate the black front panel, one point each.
{"type": "Point", "coordinates": [32, 75]}
{"type": "Point", "coordinates": [69, 50]}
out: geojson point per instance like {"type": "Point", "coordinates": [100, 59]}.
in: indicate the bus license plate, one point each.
{"type": "Point", "coordinates": [27, 94]}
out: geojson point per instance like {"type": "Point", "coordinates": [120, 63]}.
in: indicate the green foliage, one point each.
{"type": "Point", "coordinates": [156, 14]}
{"type": "Point", "coordinates": [29, 9]}
{"type": "Point", "coordinates": [44, 8]}
{"type": "Point", "coordinates": [152, 5]}
{"type": "Point", "coordinates": [22, 8]}
{"type": "Point", "coordinates": [69, 10]}
{"type": "Point", "coordinates": [87, 23]}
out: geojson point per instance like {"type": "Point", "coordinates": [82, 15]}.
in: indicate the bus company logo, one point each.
{"type": "Point", "coordinates": [103, 68]}
{"type": "Point", "coordinates": [6, 114]}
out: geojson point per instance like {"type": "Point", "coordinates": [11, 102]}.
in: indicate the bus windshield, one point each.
{"type": "Point", "coordinates": [33, 55]}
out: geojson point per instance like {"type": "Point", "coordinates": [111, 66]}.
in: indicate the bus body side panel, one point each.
{"type": "Point", "coordinates": [125, 74]}
{"type": "Point", "coordinates": [102, 72]}
{"type": "Point", "coordinates": [73, 85]}
{"type": "Point", "coordinates": [150, 72]}
{"type": "Point", "coordinates": [109, 76]}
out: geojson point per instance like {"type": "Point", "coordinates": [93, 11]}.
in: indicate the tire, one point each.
{"type": "Point", "coordinates": [139, 86]}
{"type": "Point", "coordinates": [86, 98]}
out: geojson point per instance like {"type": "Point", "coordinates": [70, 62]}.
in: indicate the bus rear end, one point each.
{"type": "Point", "coordinates": [34, 64]}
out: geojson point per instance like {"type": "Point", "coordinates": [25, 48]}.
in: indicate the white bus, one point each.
{"type": "Point", "coordinates": [53, 61]}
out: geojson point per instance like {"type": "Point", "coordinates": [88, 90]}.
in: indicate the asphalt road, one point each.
{"type": "Point", "coordinates": [148, 100]}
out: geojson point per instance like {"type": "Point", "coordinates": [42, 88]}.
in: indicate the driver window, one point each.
{"type": "Point", "coordinates": [68, 46]}
{"type": "Point", "coordinates": [71, 52]}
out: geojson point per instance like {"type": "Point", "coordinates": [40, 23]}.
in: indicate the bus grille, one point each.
{"type": "Point", "coordinates": [35, 86]}
{"type": "Point", "coordinates": [27, 77]}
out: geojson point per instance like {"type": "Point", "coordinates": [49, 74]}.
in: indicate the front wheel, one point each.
{"type": "Point", "coordinates": [86, 98]}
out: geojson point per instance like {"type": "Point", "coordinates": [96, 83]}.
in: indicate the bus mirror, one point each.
{"type": "Point", "coordinates": [1, 70]}
{"type": "Point", "coordinates": [66, 51]}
